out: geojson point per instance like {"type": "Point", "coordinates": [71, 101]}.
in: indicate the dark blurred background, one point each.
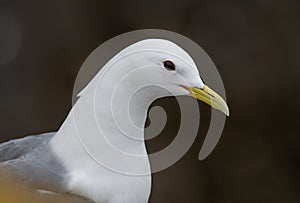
{"type": "Point", "coordinates": [255, 45]}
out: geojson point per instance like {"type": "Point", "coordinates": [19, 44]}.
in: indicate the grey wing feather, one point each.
{"type": "Point", "coordinates": [33, 159]}
{"type": "Point", "coordinates": [16, 148]}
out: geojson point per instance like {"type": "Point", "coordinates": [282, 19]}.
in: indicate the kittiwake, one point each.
{"type": "Point", "coordinates": [80, 157]}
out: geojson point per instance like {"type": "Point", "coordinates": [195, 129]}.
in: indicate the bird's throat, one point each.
{"type": "Point", "coordinates": [101, 129]}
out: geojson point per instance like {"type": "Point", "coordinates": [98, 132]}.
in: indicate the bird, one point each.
{"type": "Point", "coordinates": [93, 154]}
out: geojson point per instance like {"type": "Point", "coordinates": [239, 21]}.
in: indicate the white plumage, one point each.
{"type": "Point", "coordinates": [99, 151]}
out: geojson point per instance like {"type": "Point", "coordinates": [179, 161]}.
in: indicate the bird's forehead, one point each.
{"type": "Point", "coordinates": [162, 47]}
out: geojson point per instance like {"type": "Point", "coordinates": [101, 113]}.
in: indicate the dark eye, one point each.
{"type": "Point", "coordinates": [169, 65]}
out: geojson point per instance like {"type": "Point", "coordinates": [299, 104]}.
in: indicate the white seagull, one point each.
{"type": "Point", "coordinates": [94, 154]}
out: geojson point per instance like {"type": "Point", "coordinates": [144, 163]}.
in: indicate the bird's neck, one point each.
{"type": "Point", "coordinates": [106, 130]}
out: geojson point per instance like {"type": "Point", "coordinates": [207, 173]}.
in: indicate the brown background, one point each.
{"type": "Point", "coordinates": [255, 45]}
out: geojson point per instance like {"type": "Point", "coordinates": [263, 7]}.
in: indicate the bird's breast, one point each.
{"type": "Point", "coordinates": [103, 185]}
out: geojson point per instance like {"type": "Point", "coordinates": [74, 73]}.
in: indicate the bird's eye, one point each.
{"type": "Point", "coordinates": [169, 65]}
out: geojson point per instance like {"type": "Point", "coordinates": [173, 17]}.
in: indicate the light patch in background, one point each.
{"type": "Point", "coordinates": [13, 191]}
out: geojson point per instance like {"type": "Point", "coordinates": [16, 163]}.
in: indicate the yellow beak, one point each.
{"type": "Point", "coordinates": [210, 97]}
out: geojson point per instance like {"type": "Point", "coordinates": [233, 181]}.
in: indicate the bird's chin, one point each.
{"type": "Point", "coordinates": [184, 90]}
{"type": "Point", "coordinates": [177, 90]}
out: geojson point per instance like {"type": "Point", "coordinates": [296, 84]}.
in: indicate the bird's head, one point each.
{"type": "Point", "coordinates": [163, 63]}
